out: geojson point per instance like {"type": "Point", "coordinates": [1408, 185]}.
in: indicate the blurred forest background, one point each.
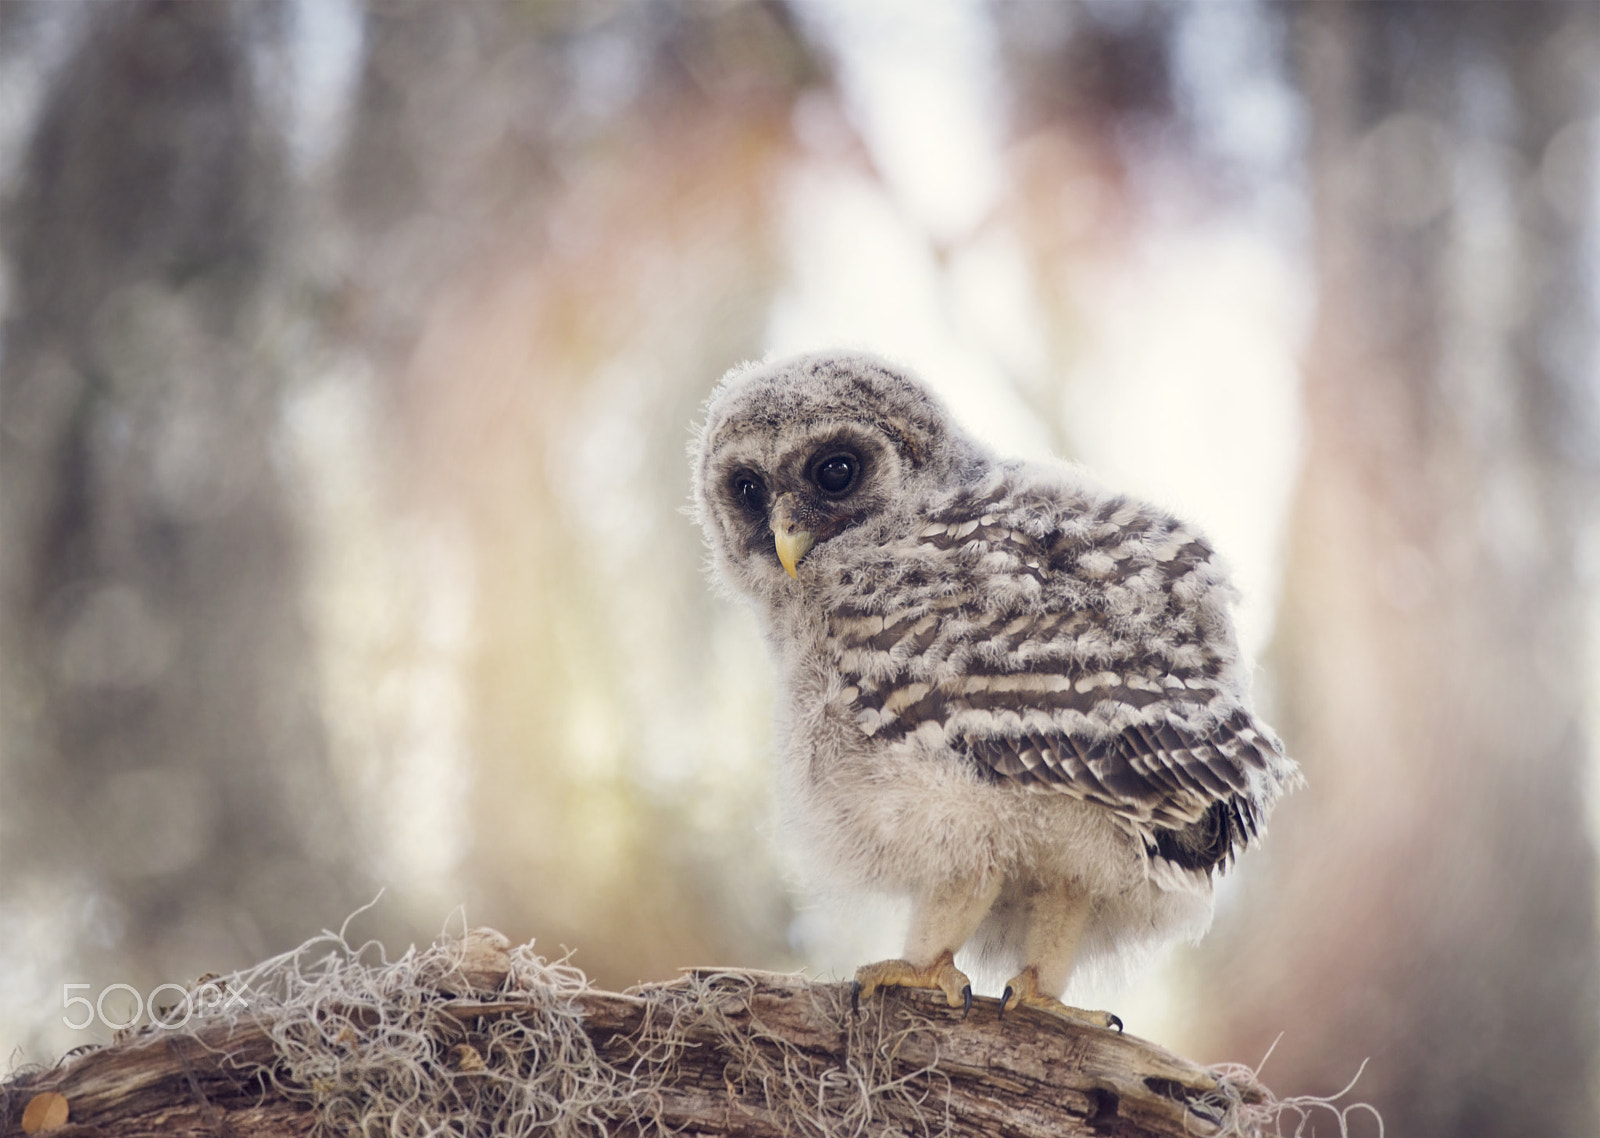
{"type": "Point", "coordinates": [351, 351]}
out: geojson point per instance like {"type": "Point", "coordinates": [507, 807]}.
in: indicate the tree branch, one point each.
{"type": "Point", "coordinates": [499, 1041]}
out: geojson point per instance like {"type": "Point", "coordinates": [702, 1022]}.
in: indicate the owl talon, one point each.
{"type": "Point", "coordinates": [855, 997]}
{"type": "Point", "coordinates": [1005, 1002]}
{"type": "Point", "coordinates": [1024, 990]}
{"type": "Point", "coordinates": [941, 976]}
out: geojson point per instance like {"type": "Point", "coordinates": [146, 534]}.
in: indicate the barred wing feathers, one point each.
{"type": "Point", "coordinates": [1073, 643]}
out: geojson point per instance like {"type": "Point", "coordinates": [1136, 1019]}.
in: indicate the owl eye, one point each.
{"type": "Point", "coordinates": [836, 474]}
{"type": "Point", "coordinates": [751, 494]}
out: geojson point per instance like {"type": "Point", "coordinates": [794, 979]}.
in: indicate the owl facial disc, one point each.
{"type": "Point", "coordinates": [792, 541]}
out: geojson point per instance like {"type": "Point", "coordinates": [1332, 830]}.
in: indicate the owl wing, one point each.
{"type": "Point", "coordinates": [1091, 657]}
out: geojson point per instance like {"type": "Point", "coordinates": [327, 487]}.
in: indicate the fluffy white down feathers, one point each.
{"type": "Point", "coordinates": [1011, 696]}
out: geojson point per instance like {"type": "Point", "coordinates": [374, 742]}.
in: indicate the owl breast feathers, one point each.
{"type": "Point", "coordinates": [998, 682]}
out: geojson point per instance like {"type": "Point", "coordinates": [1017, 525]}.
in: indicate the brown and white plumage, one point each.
{"type": "Point", "coordinates": [1007, 694]}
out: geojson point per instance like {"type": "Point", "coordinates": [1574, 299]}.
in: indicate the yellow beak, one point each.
{"type": "Point", "coordinates": [792, 542]}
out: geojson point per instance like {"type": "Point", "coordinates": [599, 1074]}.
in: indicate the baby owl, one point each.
{"type": "Point", "coordinates": [1006, 694]}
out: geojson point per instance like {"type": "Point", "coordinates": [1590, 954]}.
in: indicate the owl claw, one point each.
{"type": "Point", "coordinates": [1024, 990]}
{"type": "Point", "coordinates": [941, 976]}
{"type": "Point", "coordinates": [1005, 1002]}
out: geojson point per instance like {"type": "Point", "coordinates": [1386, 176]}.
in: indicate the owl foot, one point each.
{"type": "Point", "coordinates": [942, 976]}
{"type": "Point", "coordinates": [1023, 990]}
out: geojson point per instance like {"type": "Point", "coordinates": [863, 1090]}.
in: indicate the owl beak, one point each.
{"type": "Point", "coordinates": [792, 542]}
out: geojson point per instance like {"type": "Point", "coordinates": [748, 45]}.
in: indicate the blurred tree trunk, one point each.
{"type": "Point", "coordinates": [1436, 907]}
{"type": "Point", "coordinates": [163, 749]}
{"type": "Point", "coordinates": [563, 217]}
{"type": "Point", "coordinates": [1084, 79]}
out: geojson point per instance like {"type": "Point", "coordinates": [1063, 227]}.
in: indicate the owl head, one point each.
{"type": "Point", "coordinates": [803, 461]}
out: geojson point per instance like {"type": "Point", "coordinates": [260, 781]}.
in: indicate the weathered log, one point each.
{"type": "Point", "coordinates": [497, 1049]}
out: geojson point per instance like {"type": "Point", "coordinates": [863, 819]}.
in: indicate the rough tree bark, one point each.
{"type": "Point", "coordinates": [715, 1053]}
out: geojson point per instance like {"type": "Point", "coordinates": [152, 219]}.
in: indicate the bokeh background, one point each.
{"type": "Point", "coordinates": [351, 352]}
